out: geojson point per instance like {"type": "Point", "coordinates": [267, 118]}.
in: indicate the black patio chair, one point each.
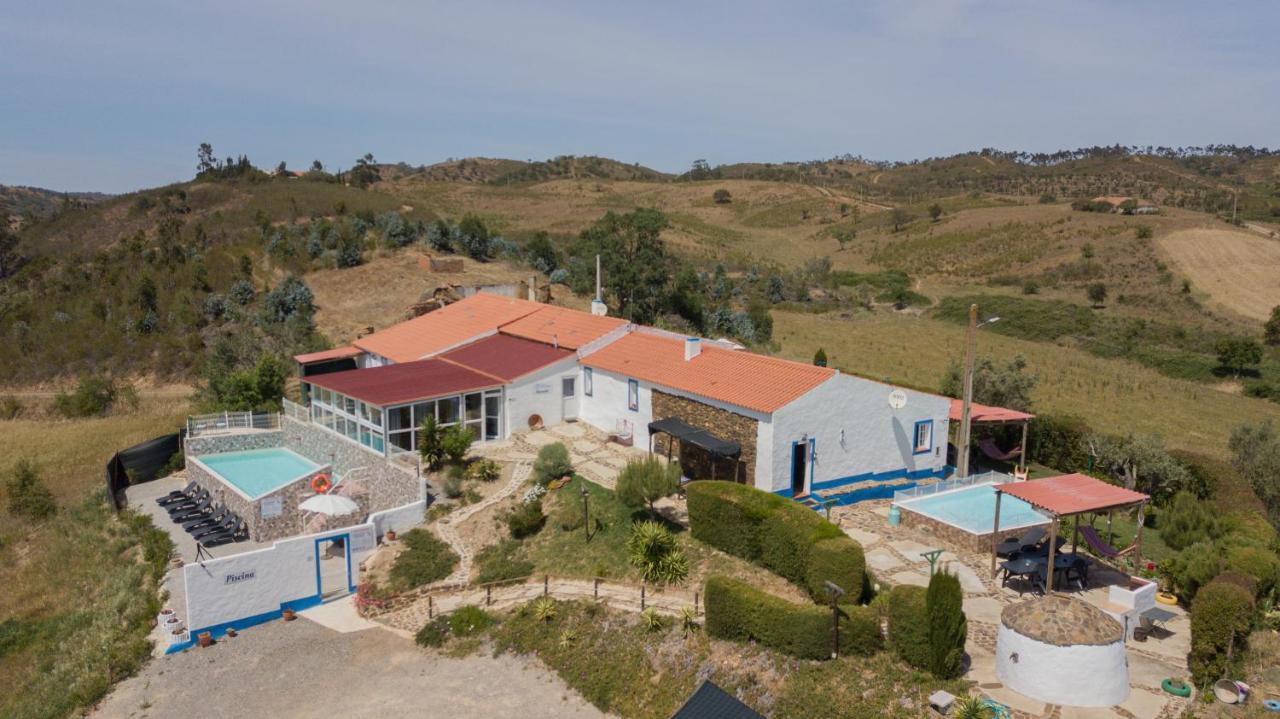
{"type": "Point", "coordinates": [228, 524]}
{"type": "Point", "coordinates": [188, 503]}
{"type": "Point", "coordinates": [200, 510]}
{"type": "Point", "coordinates": [178, 495]}
{"type": "Point", "coordinates": [1079, 569]}
{"type": "Point", "coordinates": [239, 534]}
{"type": "Point", "coordinates": [208, 520]}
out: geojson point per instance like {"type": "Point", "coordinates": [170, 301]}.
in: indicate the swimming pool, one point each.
{"type": "Point", "coordinates": [257, 472]}
{"type": "Point", "coordinates": [973, 509]}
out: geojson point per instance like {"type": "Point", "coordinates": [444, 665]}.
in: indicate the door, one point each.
{"type": "Point", "coordinates": [333, 567]}
{"type": "Point", "coordinates": [569, 398]}
{"type": "Point", "coordinates": [799, 467]}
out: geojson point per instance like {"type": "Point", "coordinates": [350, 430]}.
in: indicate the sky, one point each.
{"type": "Point", "coordinates": [116, 96]}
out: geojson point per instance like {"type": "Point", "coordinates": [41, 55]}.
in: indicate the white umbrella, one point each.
{"type": "Point", "coordinates": [331, 504]}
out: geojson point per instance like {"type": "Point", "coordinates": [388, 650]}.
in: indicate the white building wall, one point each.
{"type": "Point", "coordinates": [1077, 675]}
{"type": "Point", "coordinates": [540, 393]}
{"type": "Point", "coordinates": [607, 406]}
{"type": "Point", "coordinates": [857, 435]}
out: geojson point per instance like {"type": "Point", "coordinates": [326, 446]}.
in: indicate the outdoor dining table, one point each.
{"type": "Point", "coordinates": [1061, 563]}
{"type": "Point", "coordinates": [1025, 567]}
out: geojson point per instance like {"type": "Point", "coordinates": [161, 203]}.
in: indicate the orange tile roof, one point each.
{"type": "Point", "coordinates": [446, 327]}
{"type": "Point", "coordinates": [562, 326]}
{"type": "Point", "coordinates": [986, 413]}
{"type": "Point", "coordinates": [321, 356]}
{"type": "Point", "coordinates": [1072, 494]}
{"type": "Point", "coordinates": [745, 379]}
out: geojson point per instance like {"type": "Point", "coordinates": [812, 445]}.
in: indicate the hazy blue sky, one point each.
{"type": "Point", "coordinates": [116, 95]}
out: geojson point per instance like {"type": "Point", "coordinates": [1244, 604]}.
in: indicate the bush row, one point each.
{"type": "Point", "coordinates": [779, 534]}
{"type": "Point", "coordinates": [738, 611]}
{"type": "Point", "coordinates": [1221, 616]}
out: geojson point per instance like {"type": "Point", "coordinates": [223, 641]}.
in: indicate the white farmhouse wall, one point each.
{"type": "Point", "coordinates": [399, 519]}
{"type": "Point", "coordinates": [523, 397]}
{"type": "Point", "coordinates": [607, 406]}
{"type": "Point", "coordinates": [244, 587]}
{"type": "Point", "coordinates": [1077, 675]}
{"type": "Point", "coordinates": [856, 434]}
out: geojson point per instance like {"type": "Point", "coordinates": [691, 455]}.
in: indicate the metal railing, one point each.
{"type": "Point", "coordinates": [293, 410]}
{"type": "Point", "coordinates": [223, 422]}
{"type": "Point", "coordinates": [925, 490]}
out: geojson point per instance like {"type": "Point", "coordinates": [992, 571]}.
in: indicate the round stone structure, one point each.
{"type": "Point", "coordinates": [1064, 651]}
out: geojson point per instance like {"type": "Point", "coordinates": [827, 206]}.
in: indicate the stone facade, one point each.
{"type": "Point", "coordinates": [287, 523]}
{"type": "Point", "coordinates": [980, 543]}
{"type": "Point", "coordinates": [696, 462]}
{"type": "Point", "coordinates": [378, 480]}
{"type": "Point", "coordinates": [234, 442]}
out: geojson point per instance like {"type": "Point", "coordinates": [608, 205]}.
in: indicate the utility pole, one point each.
{"type": "Point", "coordinates": [962, 448]}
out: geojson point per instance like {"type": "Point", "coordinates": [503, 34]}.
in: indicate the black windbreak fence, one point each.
{"type": "Point", "coordinates": [139, 463]}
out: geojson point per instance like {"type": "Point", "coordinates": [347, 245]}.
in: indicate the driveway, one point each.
{"type": "Point", "coordinates": [302, 669]}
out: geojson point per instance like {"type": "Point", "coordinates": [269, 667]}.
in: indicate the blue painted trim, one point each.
{"type": "Point", "coordinates": [631, 383]}
{"type": "Point", "coordinates": [220, 630]}
{"type": "Point", "coordinates": [868, 477]}
{"type": "Point", "coordinates": [915, 436]}
{"type": "Point", "coordinates": [346, 545]}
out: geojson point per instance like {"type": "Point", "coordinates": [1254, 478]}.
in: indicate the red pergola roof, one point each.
{"type": "Point", "coordinates": [1072, 494]}
{"type": "Point", "coordinates": [405, 382]}
{"type": "Point", "coordinates": [987, 413]}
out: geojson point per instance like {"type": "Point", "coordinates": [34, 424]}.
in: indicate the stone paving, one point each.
{"type": "Point", "coordinates": [590, 451]}
{"type": "Point", "coordinates": [894, 557]}
{"type": "Point", "coordinates": [447, 527]}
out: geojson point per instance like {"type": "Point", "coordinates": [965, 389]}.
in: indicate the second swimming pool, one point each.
{"type": "Point", "coordinates": [973, 509]}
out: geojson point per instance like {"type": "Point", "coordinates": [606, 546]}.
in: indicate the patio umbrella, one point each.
{"type": "Point", "coordinates": [330, 504]}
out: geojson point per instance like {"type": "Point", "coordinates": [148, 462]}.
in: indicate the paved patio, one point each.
{"type": "Point", "coordinates": [894, 557]}
{"type": "Point", "coordinates": [592, 454]}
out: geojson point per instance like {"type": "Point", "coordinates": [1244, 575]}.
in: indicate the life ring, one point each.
{"type": "Point", "coordinates": [320, 483]}
{"type": "Point", "coordinates": [1176, 687]}
{"type": "Point", "coordinates": [1272, 705]}
{"type": "Point", "coordinates": [1167, 598]}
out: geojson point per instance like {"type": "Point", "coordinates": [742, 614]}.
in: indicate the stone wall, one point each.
{"type": "Point", "coordinates": [979, 543]}
{"type": "Point", "coordinates": [233, 442]}
{"type": "Point", "coordinates": [381, 482]}
{"type": "Point", "coordinates": [696, 462]}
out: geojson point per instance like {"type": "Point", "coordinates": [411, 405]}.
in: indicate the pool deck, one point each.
{"type": "Point", "coordinates": [894, 557]}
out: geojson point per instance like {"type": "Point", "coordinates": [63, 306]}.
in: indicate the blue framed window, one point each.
{"type": "Point", "coordinates": [922, 440]}
{"type": "Point", "coordinates": [588, 382]}
{"type": "Point", "coordinates": [633, 395]}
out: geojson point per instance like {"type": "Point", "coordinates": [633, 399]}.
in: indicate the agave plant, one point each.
{"type": "Point", "coordinates": [970, 707]}
{"type": "Point", "coordinates": [652, 548]}
{"type": "Point", "coordinates": [544, 609]}
{"type": "Point", "coordinates": [652, 620]}
{"type": "Point", "coordinates": [689, 620]}
{"type": "Point", "coordinates": [568, 637]}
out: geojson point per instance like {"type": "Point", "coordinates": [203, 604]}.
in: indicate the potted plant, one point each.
{"type": "Point", "coordinates": [204, 639]}
{"type": "Point", "coordinates": [290, 615]}
{"type": "Point", "coordinates": [390, 535]}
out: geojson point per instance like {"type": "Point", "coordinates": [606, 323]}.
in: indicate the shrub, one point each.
{"type": "Point", "coordinates": [644, 481]}
{"type": "Point", "coordinates": [1220, 619]}
{"type": "Point", "coordinates": [526, 519]}
{"type": "Point", "coordinates": [1060, 441]}
{"type": "Point", "coordinates": [484, 470]}
{"type": "Point", "coordinates": [838, 560]}
{"type": "Point", "coordinates": [93, 397]}
{"type": "Point", "coordinates": [28, 496]}
{"type": "Point", "coordinates": [498, 563]}
{"type": "Point", "coordinates": [10, 407]}
{"type": "Point", "coordinates": [434, 633]}
{"type": "Point", "coordinates": [425, 559]}
{"type": "Point", "coordinates": [568, 516]}
{"type": "Point", "coordinates": [429, 442]}
{"type": "Point", "coordinates": [1143, 232]}
{"type": "Point", "coordinates": [1194, 567]}
{"type": "Point", "coordinates": [455, 442]}
{"type": "Point", "coordinates": [909, 625]}
{"type": "Point", "coordinates": [1188, 521]}
{"type": "Point", "coordinates": [469, 619]}
{"type": "Point", "coordinates": [652, 549]}
{"type": "Point", "coordinates": [1256, 562]}
{"type": "Point", "coordinates": [452, 486]}
{"type": "Point", "coordinates": [722, 196]}
{"type": "Point", "coordinates": [544, 609]}
{"type": "Point", "coordinates": [552, 463]}
{"type": "Point", "coordinates": [736, 610]}
{"type": "Point", "coordinates": [947, 625]}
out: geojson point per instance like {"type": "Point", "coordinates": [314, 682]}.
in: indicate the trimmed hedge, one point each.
{"type": "Point", "coordinates": [787, 538]}
{"type": "Point", "coordinates": [909, 625]}
{"type": "Point", "coordinates": [948, 626]}
{"type": "Point", "coordinates": [738, 611]}
{"type": "Point", "coordinates": [1220, 618]}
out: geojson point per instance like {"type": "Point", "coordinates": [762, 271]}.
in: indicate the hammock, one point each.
{"type": "Point", "coordinates": [1101, 547]}
{"type": "Point", "coordinates": [989, 448]}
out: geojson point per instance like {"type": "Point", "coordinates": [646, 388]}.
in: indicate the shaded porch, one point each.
{"type": "Point", "coordinates": [700, 451]}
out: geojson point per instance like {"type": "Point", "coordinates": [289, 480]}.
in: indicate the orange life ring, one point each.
{"type": "Point", "coordinates": [320, 483]}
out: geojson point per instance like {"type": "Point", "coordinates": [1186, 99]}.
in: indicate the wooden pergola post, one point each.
{"type": "Point", "coordinates": [995, 534]}
{"type": "Point", "coordinates": [1022, 456]}
{"type": "Point", "coordinates": [1137, 540]}
{"type": "Point", "coordinates": [1053, 551]}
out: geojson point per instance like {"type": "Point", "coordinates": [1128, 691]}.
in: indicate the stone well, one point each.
{"type": "Point", "coordinates": [1064, 651]}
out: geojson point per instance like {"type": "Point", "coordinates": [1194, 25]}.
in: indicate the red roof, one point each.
{"type": "Point", "coordinates": [405, 382]}
{"type": "Point", "coordinates": [1072, 494]}
{"type": "Point", "coordinates": [446, 328]}
{"type": "Point", "coordinates": [323, 355]}
{"type": "Point", "coordinates": [506, 357]}
{"type": "Point", "coordinates": [736, 377]}
{"type": "Point", "coordinates": [562, 326]}
{"type": "Point", "coordinates": [987, 413]}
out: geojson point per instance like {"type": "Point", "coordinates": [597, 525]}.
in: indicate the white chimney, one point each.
{"type": "Point", "coordinates": [692, 347]}
{"type": "Point", "coordinates": [533, 288]}
{"type": "Point", "coordinates": [598, 307]}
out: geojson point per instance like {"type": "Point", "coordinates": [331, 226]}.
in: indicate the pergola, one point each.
{"type": "Point", "coordinates": [1068, 495]}
{"type": "Point", "coordinates": [989, 415]}
{"type": "Point", "coordinates": [714, 446]}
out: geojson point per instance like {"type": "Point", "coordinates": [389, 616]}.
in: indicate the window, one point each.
{"type": "Point", "coordinates": [588, 383]}
{"type": "Point", "coordinates": [567, 386]}
{"type": "Point", "coordinates": [449, 409]}
{"type": "Point", "coordinates": [924, 436]}
{"type": "Point", "coordinates": [474, 409]}
{"type": "Point", "coordinates": [492, 415]}
{"type": "Point", "coordinates": [633, 395]}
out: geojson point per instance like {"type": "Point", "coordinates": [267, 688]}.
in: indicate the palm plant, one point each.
{"type": "Point", "coordinates": [653, 550]}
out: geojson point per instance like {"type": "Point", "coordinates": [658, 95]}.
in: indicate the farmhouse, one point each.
{"type": "Point", "coordinates": [501, 365]}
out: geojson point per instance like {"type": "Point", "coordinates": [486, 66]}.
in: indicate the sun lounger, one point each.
{"type": "Point", "coordinates": [189, 503]}
{"type": "Point", "coordinates": [178, 494]}
{"type": "Point", "coordinates": [228, 524]}
{"type": "Point", "coordinates": [207, 520]}
{"type": "Point", "coordinates": [200, 510]}
{"type": "Point", "coordinates": [239, 534]}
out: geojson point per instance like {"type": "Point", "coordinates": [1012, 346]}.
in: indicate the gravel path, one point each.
{"type": "Point", "coordinates": [447, 527]}
{"type": "Point", "coordinates": [300, 669]}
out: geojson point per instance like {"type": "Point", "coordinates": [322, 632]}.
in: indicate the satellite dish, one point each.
{"type": "Point", "coordinates": [897, 399]}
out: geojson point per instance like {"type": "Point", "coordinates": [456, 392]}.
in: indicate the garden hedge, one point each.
{"type": "Point", "coordinates": [1220, 619]}
{"type": "Point", "coordinates": [787, 538]}
{"type": "Point", "coordinates": [737, 610]}
{"type": "Point", "coordinates": [948, 626]}
{"type": "Point", "coordinates": [909, 625]}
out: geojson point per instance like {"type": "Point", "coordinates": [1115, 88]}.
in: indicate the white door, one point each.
{"type": "Point", "coordinates": [569, 398]}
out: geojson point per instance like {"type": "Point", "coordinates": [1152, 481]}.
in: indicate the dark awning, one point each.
{"type": "Point", "coordinates": [711, 702]}
{"type": "Point", "coordinates": [686, 432]}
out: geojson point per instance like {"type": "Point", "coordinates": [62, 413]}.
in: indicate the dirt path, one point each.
{"type": "Point", "coordinates": [1239, 270]}
{"type": "Point", "coordinates": [447, 528]}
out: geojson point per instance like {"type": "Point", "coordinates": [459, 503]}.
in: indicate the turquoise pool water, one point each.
{"type": "Point", "coordinates": [973, 509]}
{"type": "Point", "coordinates": [259, 471]}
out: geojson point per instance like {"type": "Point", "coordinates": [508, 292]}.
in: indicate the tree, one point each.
{"type": "Point", "coordinates": [365, 172]}
{"type": "Point", "coordinates": [935, 211]}
{"type": "Point", "coordinates": [820, 358]}
{"type": "Point", "coordinates": [1140, 462]}
{"type": "Point", "coordinates": [844, 235]}
{"type": "Point", "coordinates": [633, 258]}
{"type": "Point", "coordinates": [948, 628]}
{"type": "Point", "coordinates": [542, 254]}
{"type": "Point", "coordinates": [722, 196]}
{"type": "Point", "coordinates": [205, 160]}
{"type": "Point", "coordinates": [257, 388]}
{"type": "Point", "coordinates": [1189, 521]}
{"type": "Point", "coordinates": [28, 496]}
{"type": "Point", "coordinates": [1238, 354]}
{"type": "Point", "coordinates": [474, 236]}
{"type": "Point", "coordinates": [455, 442]}
{"type": "Point", "coordinates": [1097, 293]}
{"type": "Point", "coordinates": [317, 166]}
{"type": "Point", "coordinates": [10, 260]}
{"type": "Point", "coordinates": [282, 169]}
{"type": "Point", "coordinates": [898, 217]}
{"type": "Point", "coordinates": [429, 446]}
{"type": "Point", "coordinates": [1008, 386]}
{"type": "Point", "coordinates": [1270, 330]}
{"type": "Point", "coordinates": [644, 481]}
{"type": "Point", "coordinates": [1255, 453]}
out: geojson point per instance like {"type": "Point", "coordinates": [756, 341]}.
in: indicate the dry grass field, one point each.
{"type": "Point", "coordinates": [1114, 396]}
{"type": "Point", "coordinates": [1239, 270]}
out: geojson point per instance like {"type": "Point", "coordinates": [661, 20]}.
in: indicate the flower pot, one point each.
{"type": "Point", "coordinates": [178, 636]}
{"type": "Point", "coordinates": [390, 535]}
{"type": "Point", "coordinates": [231, 631]}
{"type": "Point", "coordinates": [290, 615]}
{"type": "Point", "coordinates": [204, 639]}
{"type": "Point", "coordinates": [1167, 598]}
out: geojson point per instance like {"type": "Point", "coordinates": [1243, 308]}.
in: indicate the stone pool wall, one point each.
{"type": "Point", "coordinates": [980, 543]}
{"type": "Point", "coordinates": [233, 442]}
{"type": "Point", "coordinates": [379, 482]}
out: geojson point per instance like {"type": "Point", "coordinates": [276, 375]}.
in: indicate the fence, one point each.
{"type": "Point", "coordinates": [219, 422]}
{"type": "Point", "coordinates": [950, 484]}
{"type": "Point", "coordinates": [293, 410]}
{"type": "Point", "coordinates": [139, 463]}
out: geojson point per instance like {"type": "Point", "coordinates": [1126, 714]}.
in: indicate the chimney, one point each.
{"type": "Point", "coordinates": [533, 288]}
{"type": "Point", "coordinates": [692, 347]}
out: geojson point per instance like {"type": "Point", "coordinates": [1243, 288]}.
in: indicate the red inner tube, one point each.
{"type": "Point", "coordinates": [320, 483]}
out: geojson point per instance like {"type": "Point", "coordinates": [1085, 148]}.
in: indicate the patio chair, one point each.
{"type": "Point", "coordinates": [239, 534]}
{"type": "Point", "coordinates": [178, 494]}
{"type": "Point", "coordinates": [1009, 548]}
{"type": "Point", "coordinates": [1080, 570]}
{"type": "Point", "coordinates": [1033, 537]}
{"type": "Point", "coordinates": [188, 503]}
{"type": "Point", "coordinates": [208, 520]}
{"type": "Point", "coordinates": [1146, 628]}
{"type": "Point", "coordinates": [200, 510]}
{"type": "Point", "coordinates": [229, 523]}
